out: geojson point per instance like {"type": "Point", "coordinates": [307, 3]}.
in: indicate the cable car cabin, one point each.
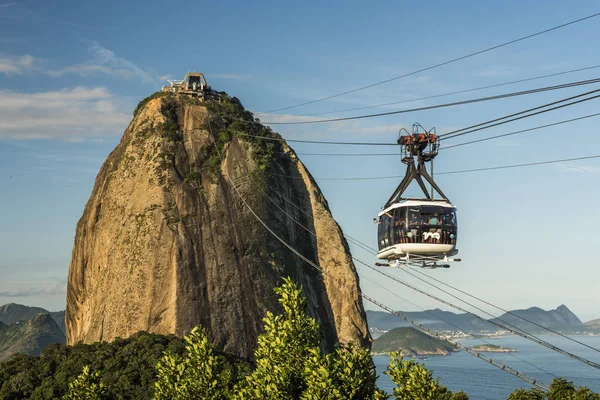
{"type": "Point", "coordinates": [421, 228]}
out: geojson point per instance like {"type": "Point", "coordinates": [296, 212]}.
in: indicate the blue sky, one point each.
{"type": "Point", "coordinates": [72, 72]}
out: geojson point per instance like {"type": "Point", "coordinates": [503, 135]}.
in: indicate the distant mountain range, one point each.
{"type": "Point", "coordinates": [28, 330]}
{"type": "Point", "coordinates": [561, 319]}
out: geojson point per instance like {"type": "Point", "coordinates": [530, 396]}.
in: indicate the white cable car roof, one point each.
{"type": "Point", "coordinates": [412, 203]}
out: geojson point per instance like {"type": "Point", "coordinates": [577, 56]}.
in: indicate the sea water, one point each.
{"type": "Point", "coordinates": [462, 371]}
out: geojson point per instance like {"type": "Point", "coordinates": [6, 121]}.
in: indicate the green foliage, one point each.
{"type": "Point", "coordinates": [170, 128]}
{"type": "Point", "coordinates": [125, 366]}
{"type": "Point", "coordinates": [232, 120]}
{"type": "Point", "coordinates": [560, 389]}
{"type": "Point", "coordinates": [87, 386]}
{"type": "Point", "coordinates": [291, 365]}
{"type": "Point", "coordinates": [411, 341]}
{"type": "Point", "coordinates": [199, 375]}
{"type": "Point", "coordinates": [143, 103]}
{"type": "Point", "coordinates": [414, 382]}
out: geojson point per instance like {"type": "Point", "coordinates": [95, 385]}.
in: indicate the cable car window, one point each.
{"type": "Point", "coordinates": [380, 234]}
{"type": "Point", "coordinates": [399, 227]}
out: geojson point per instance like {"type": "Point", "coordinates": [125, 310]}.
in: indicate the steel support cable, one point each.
{"type": "Point", "coordinates": [515, 114]}
{"type": "Point", "coordinates": [525, 334]}
{"type": "Point", "coordinates": [363, 277]}
{"type": "Point", "coordinates": [503, 367]}
{"type": "Point", "coordinates": [296, 252]}
{"type": "Point", "coordinates": [516, 331]}
{"type": "Point", "coordinates": [455, 133]}
{"type": "Point", "coordinates": [343, 251]}
{"type": "Point", "coordinates": [515, 133]}
{"type": "Point", "coordinates": [453, 93]}
{"type": "Point", "coordinates": [447, 147]}
{"type": "Point", "coordinates": [519, 165]}
{"type": "Point", "coordinates": [316, 141]}
{"type": "Point", "coordinates": [437, 106]}
{"type": "Point", "coordinates": [367, 248]}
{"type": "Point", "coordinates": [508, 312]}
{"type": "Point", "coordinates": [369, 178]}
{"type": "Point", "coordinates": [439, 64]}
{"type": "Point", "coordinates": [523, 116]}
{"type": "Point", "coordinates": [451, 146]}
{"type": "Point", "coordinates": [456, 344]}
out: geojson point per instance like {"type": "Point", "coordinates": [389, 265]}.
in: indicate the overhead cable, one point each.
{"type": "Point", "coordinates": [452, 93]}
{"type": "Point", "coordinates": [517, 132]}
{"type": "Point", "coordinates": [452, 104]}
{"type": "Point", "coordinates": [308, 261]}
{"type": "Point", "coordinates": [450, 146]}
{"type": "Point", "coordinates": [369, 178]}
{"type": "Point", "coordinates": [487, 124]}
{"type": "Point", "coordinates": [439, 64]}
{"type": "Point", "coordinates": [508, 312]}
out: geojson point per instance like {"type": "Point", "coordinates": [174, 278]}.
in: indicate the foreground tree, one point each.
{"type": "Point", "coordinates": [414, 382]}
{"type": "Point", "coordinates": [87, 386]}
{"type": "Point", "coordinates": [560, 389]}
{"type": "Point", "coordinates": [199, 375]}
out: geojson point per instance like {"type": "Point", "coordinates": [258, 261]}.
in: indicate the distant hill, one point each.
{"type": "Point", "coordinates": [29, 337]}
{"type": "Point", "coordinates": [59, 318]}
{"type": "Point", "coordinates": [431, 319]}
{"type": "Point", "coordinates": [595, 323]}
{"type": "Point", "coordinates": [12, 312]}
{"type": "Point", "coordinates": [412, 343]}
{"type": "Point", "coordinates": [561, 318]}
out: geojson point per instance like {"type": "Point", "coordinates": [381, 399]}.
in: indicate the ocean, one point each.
{"type": "Point", "coordinates": [480, 380]}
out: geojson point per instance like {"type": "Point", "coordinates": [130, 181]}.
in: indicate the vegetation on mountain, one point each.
{"type": "Point", "coordinates": [289, 364]}
{"type": "Point", "coordinates": [492, 348]}
{"type": "Point", "coordinates": [410, 342]}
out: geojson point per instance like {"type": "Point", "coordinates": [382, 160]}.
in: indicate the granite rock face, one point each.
{"type": "Point", "coordinates": [169, 240]}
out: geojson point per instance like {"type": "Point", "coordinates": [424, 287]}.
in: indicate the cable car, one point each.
{"type": "Point", "coordinates": [417, 231]}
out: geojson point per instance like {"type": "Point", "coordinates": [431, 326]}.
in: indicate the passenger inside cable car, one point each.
{"type": "Point", "coordinates": [431, 224]}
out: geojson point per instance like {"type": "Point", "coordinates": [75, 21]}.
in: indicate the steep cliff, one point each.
{"type": "Point", "coordinates": [166, 243]}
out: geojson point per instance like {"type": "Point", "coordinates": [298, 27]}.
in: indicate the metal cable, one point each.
{"type": "Point", "coordinates": [453, 93]}
{"type": "Point", "coordinates": [439, 64]}
{"type": "Point", "coordinates": [296, 252]}
{"type": "Point", "coordinates": [445, 105]}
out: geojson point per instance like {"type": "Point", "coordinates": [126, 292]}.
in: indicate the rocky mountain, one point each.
{"type": "Point", "coordinates": [411, 342]}
{"type": "Point", "coordinates": [30, 336]}
{"type": "Point", "coordinates": [12, 312]}
{"type": "Point", "coordinates": [172, 235]}
{"type": "Point", "coordinates": [561, 318]}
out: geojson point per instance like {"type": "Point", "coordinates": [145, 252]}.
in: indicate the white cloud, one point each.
{"type": "Point", "coordinates": [16, 65]}
{"type": "Point", "coordinates": [90, 69]}
{"type": "Point", "coordinates": [6, 5]}
{"type": "Point", "coordinates": [48, 288]}
{"type": "Point", "coordinates": [107, 58]}
{"type": "Point", "coordinates": [68, 113]}
{"type": "Point", "coordinates": [103, 61]}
